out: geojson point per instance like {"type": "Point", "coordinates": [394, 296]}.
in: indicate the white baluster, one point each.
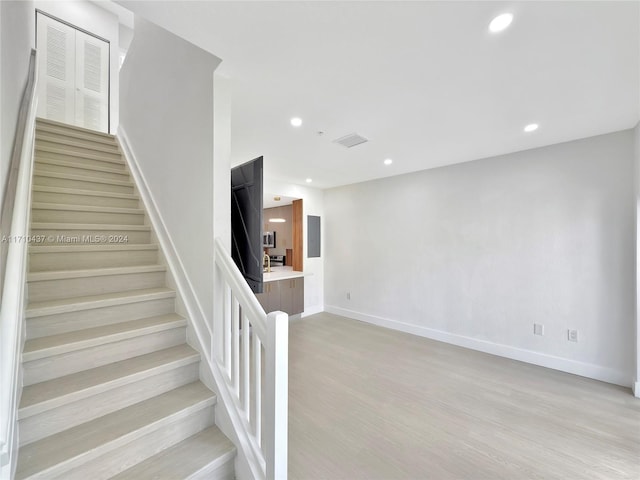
{"type": "Point", "coordinates": [227, 329]}
{"type": "Point", "coordinates": [235, 344]}
{"type": "Point", "coordinates": [257, 388]}
{"type": "Point", "coordinates": [246, 366]}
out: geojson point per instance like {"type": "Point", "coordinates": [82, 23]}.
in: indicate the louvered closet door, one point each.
{"type": "Point", "coordinates": [92, 82]}
{"type": "Point", "coordinates": [56, 70]}
{"type": "Point", "coordinates": [73, 75]}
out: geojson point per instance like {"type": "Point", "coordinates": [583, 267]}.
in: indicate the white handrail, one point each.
{"type": "Point", "coordinates": [247, 336]}
{"type": "Point", "coordinates": [13, 298]}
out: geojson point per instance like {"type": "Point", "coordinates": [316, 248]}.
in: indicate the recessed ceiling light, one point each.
{"type": "Point", "coordinates": [532, 127]}
{"type": "Point", "coordinates": [309, 180]}
{"type": "Point", "coordinates": [500, 22]}
{"type": "Point", "coordinates": [277, 220]}
{"type": "Point", "coordinates": [388, 161]}
{"type": "Point", "coordinates": [296, 121]}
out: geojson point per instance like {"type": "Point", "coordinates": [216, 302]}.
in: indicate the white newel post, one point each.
{"type": "Point", "coordinates": [276, 394]}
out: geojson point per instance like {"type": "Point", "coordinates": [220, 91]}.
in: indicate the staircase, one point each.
{"type": "Point", "coordinates": [111, 389]}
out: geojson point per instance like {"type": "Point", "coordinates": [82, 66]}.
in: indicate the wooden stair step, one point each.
{"type": "Point", "coordinates": [84, 233]}
{"type": "Point", "coordinates": [60, 212]}
{"type": "Point", "coordinates": [43, 347]}
{"type": "Point", "coordinates": [62, 152]}
{"type": "Point", "coordinates": [45, 123]}
{"type": "Point", "coordinates": [204, 455]}
{"type": "Point", "coordinates": [40, 309]}
{"type": "Point", "coordinates": [86, 208]}
{"type": "Point", "coordinates": [45, 396]}
{"type": "Point", "coordinates": [83, 178]}
{"type": "Point", "coordinates": [114, 433]}
{"type": "Point", "coordinates": [84, 182]}
{"type": "Point", "coordinates": [59, 284]}
{"type": "Point", "coordinates": [55, 405]}
{"type": "Point", "coordinates": [93, 272]}
{"type": "Point", "coordinates": [53, 164]}
{"type": "Point", "coordinates": [91, 255]}
{"type": "Point", "coordinates": [88, 193]}
{"type": "Point", "coordinates": [108, 145]}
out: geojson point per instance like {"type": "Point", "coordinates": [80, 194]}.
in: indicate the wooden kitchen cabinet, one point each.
{"type": "Point", "coordinates": [284, 295]}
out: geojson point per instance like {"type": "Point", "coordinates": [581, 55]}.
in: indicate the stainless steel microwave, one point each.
{"type": "Point", "coordinates": [269, 239]}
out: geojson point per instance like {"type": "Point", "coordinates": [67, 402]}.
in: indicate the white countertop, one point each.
{"type": "Point", "coordinates": [281, 273]}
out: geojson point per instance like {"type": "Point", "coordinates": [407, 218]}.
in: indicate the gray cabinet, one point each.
{"type": "Point", "coordinates": [270, 296]}
{"type": "Point", "coordinates": [284, 295]}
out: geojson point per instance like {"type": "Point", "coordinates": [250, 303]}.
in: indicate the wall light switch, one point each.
{"type": "Point", "coordinates": [348, 295]}
{"type": "Point", "coordinates": [572, 335]}
{"type": "Point", "coordinates": [538, 329]}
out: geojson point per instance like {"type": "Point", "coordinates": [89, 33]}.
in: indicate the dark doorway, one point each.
{"type": "Point", "coordinates": [246, 221]}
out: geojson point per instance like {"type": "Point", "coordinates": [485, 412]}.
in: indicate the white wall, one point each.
{"type": "Point", "coordinates": [90, 17]}
{"type": "Point", "coordinates": [475, 253]}
{"type": "Point", "coordinates": [222, 88]}
{"type": "Point", "coordinates": [636, 131]}
{"type": "Point", "coordinates": [312, 204]}
{"type": "Point", "coordinates": [17, 38]}
{"type": "Point", "coordinates": [166, 111]}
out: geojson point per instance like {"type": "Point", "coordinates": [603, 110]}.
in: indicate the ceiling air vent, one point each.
{"type": "Point", "coordinates": [351, 140]}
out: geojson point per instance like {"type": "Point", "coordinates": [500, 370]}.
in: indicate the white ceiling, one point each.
{"type": "Point", "coordinates": [425, 82]}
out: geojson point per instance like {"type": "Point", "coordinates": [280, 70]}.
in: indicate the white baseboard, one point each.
{"type": "Point", "coordinates": [184, 286]}
{"type": "Point", "coordinates": [583, 369]}
{"type": "Point", "coordinates": [636, 389]}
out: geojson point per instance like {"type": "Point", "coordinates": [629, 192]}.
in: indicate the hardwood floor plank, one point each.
{"type": "Point", "coordinates": [371, 403]}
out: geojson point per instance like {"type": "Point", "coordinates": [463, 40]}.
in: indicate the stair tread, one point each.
{"type": "Point", "coordinates": [86, 226]}
{"type": "Point", "coordinates": [55, 344]}
{"type": "Point", "coordinates": [81, 178]}
{"type": "Point", "coordinates": [53, 123]}
{"type": "Point", "coordinates": [110, 431]}
{"type": "Point", "coordinates": [71, 141]}
{"type": "Point", "coordinates": [93, 272]}
{"type": "Point", "coordinates": [50, 307]}
{"type": "Point", "coordinates": [85, 208]}
{"type": "Point", "coordinates": [89, 193]}
{"type": "Point", "coordinates": [52, 393]}
{"type": "Point", "coordinates": [55, 130]}
{"type": "Point", "coordinates": [91, 247]}
{"type": "Point", "coordinates": [41, 151]}
{"type": "Point", "coordinates": [185, 458]}
{"type": "Point", "coordinates": [42, 162]}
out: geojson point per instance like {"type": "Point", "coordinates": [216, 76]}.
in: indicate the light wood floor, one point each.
{"type": "Point", "coordinates": [371, 403]}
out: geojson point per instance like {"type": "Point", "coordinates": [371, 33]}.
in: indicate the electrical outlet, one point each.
{"type": "Point", "coordinates": [572, 335]}
{"type": "Point", "coordinates": [538, 329]}
{"type": "Point", "coordinates": [348, 295]}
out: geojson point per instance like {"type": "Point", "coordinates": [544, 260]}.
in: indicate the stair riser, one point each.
{"type": "Point", "coordinates": [71, 216]}
{"type": "Point", "coordinates": [81, 184]}
{"type": "Point", "coordinates": [42, 291]}
{"type": "Point", "coordinates": [72, 321]}
{"type": "Point", "coordinates": [50, 130]}
{"type": "Point", "coordinates": [65, 364]}
{"type": "Point", "coordinates": [69, 415]}
{"type": "Point", "coordinates": [82, 237]}
{"type": "Point", "coordinates": [77, 151]}
{"type": "Point", "coordinates": [90, 200]}
{"type": "Point", "coordinates": [78, 170]}
{"type": "Point", "coordinates": [45, 138]}
{"type": "Point", "coordinates": [88, 162]}
{"type": "Point", "coordinates": [225, 471]}
{"type": "Point", "coordinates": [43, 262]}
{"type": "Point", "coordinates": [123, 457]}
